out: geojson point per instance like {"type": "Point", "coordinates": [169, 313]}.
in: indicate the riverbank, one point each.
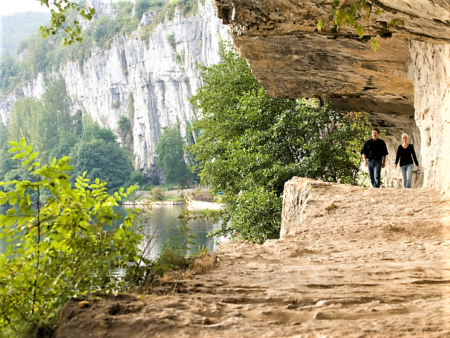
{"type": "Point", "coordinates": [195, 199]}
{"type": "Point", "coordinates": [353, 262]}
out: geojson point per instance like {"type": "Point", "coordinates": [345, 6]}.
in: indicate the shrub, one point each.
{"type": "Point", "coordinates": [136, 178]}
{"type": "Point", "coordinates": [64, 246]}
{"type": "Point", "coordinates": [180, 57]}
{"type": "Point", "coordinates": [171, 39]}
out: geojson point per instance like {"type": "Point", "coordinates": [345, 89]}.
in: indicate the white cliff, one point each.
{"type": "Point", "coordinates": [159, 84]}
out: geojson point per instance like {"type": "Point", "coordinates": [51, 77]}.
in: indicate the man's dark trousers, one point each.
{"type": "Point", "coordinates": [375, 172]}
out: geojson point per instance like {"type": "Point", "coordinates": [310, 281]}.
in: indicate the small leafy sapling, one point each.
{"type": "Point", "coordinates": [61, 246]}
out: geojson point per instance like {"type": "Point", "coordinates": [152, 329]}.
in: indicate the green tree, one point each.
{"type": "Point", "coordinates": [251, 144]}
{"type": "Point", "coordinates": [99, 153]}
{"type": "Point", "coordinates": [142, 6]}
{"type": "Point", "coordinates": [171, 157]}
{"type": "Point", "coordinates": [191, 161]}
{"type": "Point", "coordinates": [42, 122]}
{"type": "Point", "coordinates": [6, 164]}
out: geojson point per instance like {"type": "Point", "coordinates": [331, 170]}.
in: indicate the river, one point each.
{"type": "Point", "coordinates": [161, 222]}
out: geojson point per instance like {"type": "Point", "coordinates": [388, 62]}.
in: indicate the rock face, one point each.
{"type": "Point", "coordinates": [157, 75]}
{"type": "Point", "coordinates": [405, 84]}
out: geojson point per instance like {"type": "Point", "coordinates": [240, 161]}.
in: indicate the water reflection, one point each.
{"type": "Point", "coordinates": [162, 223]}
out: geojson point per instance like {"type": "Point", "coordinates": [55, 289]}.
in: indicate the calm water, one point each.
{"type": "Point", "coordinates": [164, 217]}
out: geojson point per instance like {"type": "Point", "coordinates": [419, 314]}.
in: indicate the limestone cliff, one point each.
{"type": "Point", "coordinates": [159, 74]}
{"type": "Point", "coordinates": [405, 84]}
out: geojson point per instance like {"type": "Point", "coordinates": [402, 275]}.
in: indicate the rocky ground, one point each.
{"type": "Point", "coordinates": [360, 263]}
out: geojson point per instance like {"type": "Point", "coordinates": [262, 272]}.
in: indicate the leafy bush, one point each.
{"type": "Point", "coordinates": [115, 105]}
{"type": "Point", "coordinates": [137, 178]}
{"type": "Point", "coordinates": [142, 6]}
{"type": "Point", "coordinates": [171, 39]}
{"type": "Point", "coordinates": [180, 57]}
{"type": "Point", "coordinates": [64, 246]}
{"type": "Point", "coordinates": [251, 144]}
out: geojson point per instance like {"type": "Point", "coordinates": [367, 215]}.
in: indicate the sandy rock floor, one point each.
{"type": "Point", "coordinates": [353, 271]}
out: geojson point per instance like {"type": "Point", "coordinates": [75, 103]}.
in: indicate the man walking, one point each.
{"type": "Point", "coordinates": [375, 152]}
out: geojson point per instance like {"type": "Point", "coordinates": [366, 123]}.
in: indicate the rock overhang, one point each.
{"type": "Point", "coordinates": [291, 59]}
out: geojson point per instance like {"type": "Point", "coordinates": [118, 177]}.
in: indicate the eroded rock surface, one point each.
{"type": "Point", "coordinates": [279, 39]}
{"type": "Point", "coordinates": [341, 269]}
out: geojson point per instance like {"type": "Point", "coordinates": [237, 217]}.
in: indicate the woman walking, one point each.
{"type": "Point", "coordinates": [406, 155]}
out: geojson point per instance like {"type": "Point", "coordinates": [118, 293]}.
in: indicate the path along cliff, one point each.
{"type": "Point", "coordinates": [351, 262]}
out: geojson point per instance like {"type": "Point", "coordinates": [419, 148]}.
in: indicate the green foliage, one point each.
{"type": "Point", "coordinates": [171, 157]}
{"type": "Point", "coordinates": [124, 23]}
{"type": "Point", "coordinates": [171, 39]}
{"type": "Point", "coordinates": [180, 57]}
{"type": "Point", "coordinates": [54, 132]}
{"type": "Point", "coordinates": [351, 15]}
{"type": "Point", "coordinates": [115, 105]}
{"type": "Point", "coordinates": [42, 121]}
{"type": "Point", "coordinates": [143, 6]}
{"type": "Point", "coordinates": [130, 108]}
{"type": "Point", "coordinates": [72, 31]}
{"type": "Point", "coordinates": [10, 73]}
{"type": "Point", "coordinates": [126, 132]}
{"type": "Point", "coordinates": [251, 144]}
{"type": "Point", "coordinates": [171, 258]}
{"type": "Point", "coordinates": [136, 178]}
{"type": "Point", "coordinates": [59, 20]}
{"type": "Point", "coordinates": [124, 123]}
{"type": "Point", "coordinates": [191, 160]}
{"type": "Point", "coordinates": [60, 247]}
{"type": "Point", "coordinates": [18, 26]}
{"type": "Point", "coordinates": [99, 153]}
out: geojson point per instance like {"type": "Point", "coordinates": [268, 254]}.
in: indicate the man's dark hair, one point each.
{"type": "Point", "coordinates": [378, 131]}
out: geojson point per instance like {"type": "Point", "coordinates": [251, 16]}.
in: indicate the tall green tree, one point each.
{"type": "Point", "coordinates": [99, 153]}
{"type": "Point", "coordinates": [251, 144]}
{"type": "Point", "coordinates": [42, 122]}
{"type": "Point", "coordinates": [171, 157]}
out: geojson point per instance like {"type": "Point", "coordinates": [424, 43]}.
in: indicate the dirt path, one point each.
{"type": "Point", "coordinates": [347, 270]}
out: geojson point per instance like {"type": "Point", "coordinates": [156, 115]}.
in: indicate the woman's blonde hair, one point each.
{"type": "Point", "coordinates": [405, 134]}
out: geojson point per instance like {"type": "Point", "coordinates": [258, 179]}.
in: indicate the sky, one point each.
{"type": "Point", "coordinates": [8, 7]}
